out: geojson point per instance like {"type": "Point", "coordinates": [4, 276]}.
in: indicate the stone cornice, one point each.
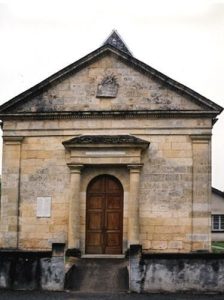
{"type": "Point", "coordinates": [108, 114]}
{"type": "Point", "coordinates": [75, 168]}
{"type": "Point", "coordinates": [13, 139]}
{"type": "Point", "coordinates": [200, 138]}
{"type": "Point", "coordinates": [105, 140]}
{"type": "Point", "coordinates": [135, 168]}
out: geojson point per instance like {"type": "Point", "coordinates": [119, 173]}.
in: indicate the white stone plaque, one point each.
{"type": "Point", "coordinates": [44, 207]}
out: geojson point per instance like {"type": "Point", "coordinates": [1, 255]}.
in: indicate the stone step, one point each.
{"type": "Point", "coordinates": [98, 274]}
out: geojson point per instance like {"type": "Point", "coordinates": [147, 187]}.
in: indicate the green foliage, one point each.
{"type": "Point", "coordinates": [218, 247]}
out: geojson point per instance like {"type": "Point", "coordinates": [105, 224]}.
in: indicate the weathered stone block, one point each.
{"type": "Point", "coordinates": [159, 245]}
{"type": "Point", "coordinates": [53, 273]}
{"type": "Point", "coordinates": [175, 245]}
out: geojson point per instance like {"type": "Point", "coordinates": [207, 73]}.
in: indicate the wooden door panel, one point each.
{"type": "Point", "coordinates": [94, 249]}
{"type": "Point", "coordinates": [113, 239]}
{"type": "Point", "coordinates": [95, 202]}
{"type": "Point", "coordinates": [114, 202]}
{"type": "Point", "coordinates": [112, 250]}
{"type": "Point", "coordinates": [94, 243]}
{"type": "Point", "coordinates": [104, 216]}
{"type": "Point", "coordinates": [113, 243]}
{"type": "Point", "coordinates": [112, 186]}
{"type": "Point", "coordinates": [98, 186]}
{"type": "Point", "coordinates": [113, 220]}
{"type": "Point", "coordinates": [95, 220]}
{"type": "Point", "coordinates": [94, 238]}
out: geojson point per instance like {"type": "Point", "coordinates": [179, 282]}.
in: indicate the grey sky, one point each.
{"type": "Point", "coordinates": [182, 38]}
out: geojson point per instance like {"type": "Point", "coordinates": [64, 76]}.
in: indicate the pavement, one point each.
{"type": "Point", "coordinates": [40, 295]}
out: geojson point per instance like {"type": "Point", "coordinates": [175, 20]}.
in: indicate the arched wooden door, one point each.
{"type": "Point", "coordinates": [104, 216]}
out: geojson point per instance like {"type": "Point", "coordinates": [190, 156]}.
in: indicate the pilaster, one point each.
{"type": "Point", "coordinates": [201, 194]}
{"type": "Point", "coordinates": [133, 205]}
{"type": "Point", "coordinates": [10, 192]}
{"type": "Point", "coordinates": [74, 207]}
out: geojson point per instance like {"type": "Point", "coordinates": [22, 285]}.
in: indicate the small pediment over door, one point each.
{"type": "Point", "coordinates": [105, 150]}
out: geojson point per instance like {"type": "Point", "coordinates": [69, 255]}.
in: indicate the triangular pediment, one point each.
{"type": "Point", "coordinates": [120, 140]}
{"type": "Point", "coordinates": [108, 80]}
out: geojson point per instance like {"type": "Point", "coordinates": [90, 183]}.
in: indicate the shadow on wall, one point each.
{"type": "Point", "coordinates": [172, 273]}
{"type": "Point", "coordinates": [31, 270]}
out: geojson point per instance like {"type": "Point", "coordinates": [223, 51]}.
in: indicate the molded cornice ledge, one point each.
{"type": "Point", "coordinates": [110, 114]}
{"type": "Point", "coordinates": [92, 141]}
{"type": "Point", "coordinates": [200, 137]}
{"type": "Point", "coordinates": [134, 167]}
{"type": "Point", "coordinates": [13, 139]}
{"type": "Point", "coordinates": [75, 167]}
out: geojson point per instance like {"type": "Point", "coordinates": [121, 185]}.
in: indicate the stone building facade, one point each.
{"type": "Point", "coordinates": [106, 153]}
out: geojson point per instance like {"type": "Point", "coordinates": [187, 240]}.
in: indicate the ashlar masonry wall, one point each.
{"type": "Point", "coordinates": [174, 198]}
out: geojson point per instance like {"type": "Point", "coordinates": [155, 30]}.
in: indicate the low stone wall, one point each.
{"type": "Point", "coordinates": [148, 273]}
{"type": "Point", "coordinates": [193, 273]}
{"type": "Point", "coordinates": [31, 270]}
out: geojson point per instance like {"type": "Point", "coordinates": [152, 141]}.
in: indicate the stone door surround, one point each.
{"type": "Point", "coordinates": [107, 150]}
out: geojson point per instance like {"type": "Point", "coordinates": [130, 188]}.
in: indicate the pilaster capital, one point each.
{"type": "Point", "coordinates": [135, 168]}
{"type": "Point", "coordinates": [12, 140]}
{"type": "Point", "coordinates": [74, 168]}
{"type": "Point", "coordinates": [200, 138]}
